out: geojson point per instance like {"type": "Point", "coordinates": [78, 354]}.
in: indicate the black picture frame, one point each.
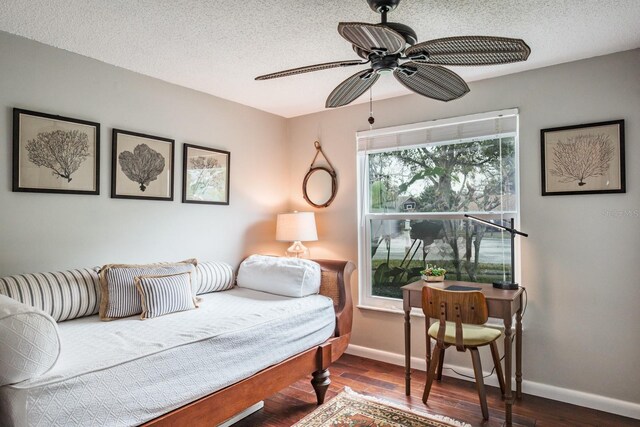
{"type": "Point", "coordinates": [611, 156]}
{"type": "Point", "coordinates": [209, 193]}
{"type": "Point", "coordinates": [38, 171]}
{"type": "Point", "coordinates": [128, 182]}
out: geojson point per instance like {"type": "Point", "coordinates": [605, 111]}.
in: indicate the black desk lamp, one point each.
{"type": "Point", "coordinates": [512, 230]}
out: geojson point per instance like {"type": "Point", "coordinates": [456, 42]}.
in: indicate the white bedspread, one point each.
{"type": "Point", "coordinates": [129, 371]}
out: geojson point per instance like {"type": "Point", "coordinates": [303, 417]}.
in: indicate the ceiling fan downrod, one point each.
{"type": "Point", "coordinates": [383, 7]}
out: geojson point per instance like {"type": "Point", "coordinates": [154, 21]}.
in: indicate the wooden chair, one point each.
{"type": "Point", "coordinates": [459, 314]}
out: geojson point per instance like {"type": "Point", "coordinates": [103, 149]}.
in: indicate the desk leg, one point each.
{"type": "Point", "coordinates": [508, 395]}
{"type": "Point", "coordinates": [427, 323]}
{"type": "Point", "coordinates": [519, 351]}
{"type": "Point", "coordinates": [407, 351]}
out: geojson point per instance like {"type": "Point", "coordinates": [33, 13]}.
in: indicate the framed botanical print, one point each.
{"type": "Point", "coordinates": [583, 159]}
{"type": "Point", "coordinates": [205, 175]}
{"type": "Point", "coordinates": [141, 166]}
{"type": "Point", "coordinates": [55, 154]}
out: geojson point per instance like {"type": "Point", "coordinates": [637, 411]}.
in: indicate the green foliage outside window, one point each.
{"type": "Point", "coordinates": [475, 176]}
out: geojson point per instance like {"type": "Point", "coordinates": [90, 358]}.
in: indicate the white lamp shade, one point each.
{"type": "Point", "coordinates": [296, 226]}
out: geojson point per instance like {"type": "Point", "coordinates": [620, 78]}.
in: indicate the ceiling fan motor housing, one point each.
{"type": "Point", "coordinates": [384, 64]}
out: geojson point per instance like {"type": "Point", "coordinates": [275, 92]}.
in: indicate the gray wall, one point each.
{"type": "Point", "coordinates": [578, 264]}
{"type": "Point", "coordinates": [44, 232]}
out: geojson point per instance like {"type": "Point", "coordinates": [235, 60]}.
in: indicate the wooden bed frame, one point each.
{"type": "Point", "coordinates": [224, 404]}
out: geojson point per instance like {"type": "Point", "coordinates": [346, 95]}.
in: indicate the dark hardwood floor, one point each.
{"type": "Point", "coordinates": [453, 397]}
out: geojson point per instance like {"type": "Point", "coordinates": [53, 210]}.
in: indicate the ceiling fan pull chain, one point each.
{"type": "Point", "coordinates": [371, 120]}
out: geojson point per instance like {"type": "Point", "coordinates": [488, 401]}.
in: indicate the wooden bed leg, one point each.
{"type": "Point", "coordinates": [320, 383]}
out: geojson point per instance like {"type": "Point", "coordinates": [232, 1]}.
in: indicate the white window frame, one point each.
{"type": "Point", "coordinates": [365, 298]}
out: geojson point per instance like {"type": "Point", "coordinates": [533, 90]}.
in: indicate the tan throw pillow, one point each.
{"type": "Point", "coordinates": [120, 298]}
{"type": "Point", "coordinates": [162, 295]}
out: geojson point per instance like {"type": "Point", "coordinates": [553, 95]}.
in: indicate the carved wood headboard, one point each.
{"type": "Point", "coordinates": [335, 284]}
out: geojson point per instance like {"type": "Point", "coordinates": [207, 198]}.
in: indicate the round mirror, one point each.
{"type": "Point", "coordinates": [319, 187]}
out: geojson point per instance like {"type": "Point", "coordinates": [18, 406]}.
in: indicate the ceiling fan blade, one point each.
{"type": "Point", "coordinates": [351, 88]}
{"type": "Point", "coordinates": [431, 81]}
{"type": "Point", "coordinates": [471, 50]}
{"type": "Point", "coordinates": [372, 37]}
{"type": "Point", "coordinates": [310, 68]}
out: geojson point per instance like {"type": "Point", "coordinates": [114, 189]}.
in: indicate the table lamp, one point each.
{"type": "Point", "coordinates": [296, 227]}
{"type": "Point", "coordinates": [512, 230]}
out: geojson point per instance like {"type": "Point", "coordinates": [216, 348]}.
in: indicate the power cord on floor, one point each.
{"type": "Point", "coordinates": [485, 376]}
{"type": "Point", "coordinates": [524, 309]}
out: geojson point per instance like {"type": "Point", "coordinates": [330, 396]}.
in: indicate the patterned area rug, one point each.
{"type": "Point", "coordinates": [350, 409]}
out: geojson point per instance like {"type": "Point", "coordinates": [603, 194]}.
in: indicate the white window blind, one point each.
{"type": "Point", "coordinates": [460, 129]}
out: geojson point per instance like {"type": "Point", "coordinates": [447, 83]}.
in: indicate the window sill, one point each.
{"type": "Point", "coordinates": [415, 312]}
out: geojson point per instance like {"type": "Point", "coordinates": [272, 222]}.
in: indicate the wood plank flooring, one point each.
{"type": "Point", "coordinates": [453, 397]}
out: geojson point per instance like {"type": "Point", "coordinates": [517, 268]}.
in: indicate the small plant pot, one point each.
{"type": "Point", "coordinates": [433, 278]}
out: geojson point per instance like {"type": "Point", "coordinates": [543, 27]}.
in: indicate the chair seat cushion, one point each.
{"type": "Point", "coordinates": [472, 335]}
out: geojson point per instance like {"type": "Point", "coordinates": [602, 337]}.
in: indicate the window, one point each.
{"type": "Point", "coordinates": [415, 184]}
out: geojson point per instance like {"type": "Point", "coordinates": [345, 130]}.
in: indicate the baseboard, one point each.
{"type": "Point", "coordinates": [589, 400]}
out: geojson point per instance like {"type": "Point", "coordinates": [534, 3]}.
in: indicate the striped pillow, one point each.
{"type": "Point", "coordinates": [214, 276]}
{"type": "Point", "coordinates": [64, 295]}
{"type": "Point", "coordinates": [162, 295]}
{"type": "Point", "coordinates": [117, 282]}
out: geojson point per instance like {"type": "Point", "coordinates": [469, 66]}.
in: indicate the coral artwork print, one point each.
{"type": "Point", "coordinates": [582, 157]}
{"type": "Point", "coordinates": [55, 154]}
{"type": "Point", "coordinates": [62, 151]}
{"type": "Point", "coordinates": [206, 176]}
{"type": "Point", "coordinates": [141, 166]}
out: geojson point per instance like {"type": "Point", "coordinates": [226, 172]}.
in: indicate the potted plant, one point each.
{"type": "Point", "coordinates": [433, 273]}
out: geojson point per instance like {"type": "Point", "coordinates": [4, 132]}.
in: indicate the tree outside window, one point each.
{"type": "Point", "coordinates": [474, 176]}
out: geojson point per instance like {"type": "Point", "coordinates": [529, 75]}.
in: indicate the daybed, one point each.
{"type": "Point", "coordinates": [196, 367]}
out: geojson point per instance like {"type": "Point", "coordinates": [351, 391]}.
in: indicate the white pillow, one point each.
{"type": "Point", "coordinates": [29, 341]}
{"type": "Point", "coordinates": [290, 277]}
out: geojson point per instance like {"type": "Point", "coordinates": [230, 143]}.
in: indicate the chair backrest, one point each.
{"type": "Point", "coordinates": [455, 306]}
{"type": "Point", "coordinates": [467, 306]}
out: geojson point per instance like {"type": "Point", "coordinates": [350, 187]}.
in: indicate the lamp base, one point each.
{"type": "Point", "coordinates": [297, 250]}
{"type": "Point", "coordinates": [506, 285]}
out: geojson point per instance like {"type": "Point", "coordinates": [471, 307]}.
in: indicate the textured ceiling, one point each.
{"type": "Point", "coordinates": [218, 47]}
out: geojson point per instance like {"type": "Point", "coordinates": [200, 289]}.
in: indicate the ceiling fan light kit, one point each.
{"type": "Point", "coordinates": [391, 47]}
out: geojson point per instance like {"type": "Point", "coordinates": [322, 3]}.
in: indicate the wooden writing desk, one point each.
{"type": "Point", "coordinates": [502, 304]}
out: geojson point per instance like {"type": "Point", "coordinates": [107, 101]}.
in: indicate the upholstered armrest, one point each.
{"type": "Point", "coordinates": [335, 284]}
{"type": "Point", "coordinates": [29, 341]}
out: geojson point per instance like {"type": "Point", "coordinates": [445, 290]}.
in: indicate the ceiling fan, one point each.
{"type": "Point", "coordinates": [391, 47]}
